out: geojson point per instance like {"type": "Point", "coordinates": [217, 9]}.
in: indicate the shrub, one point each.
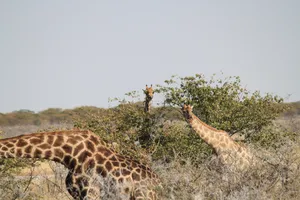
{"type": "Point", "coordinates": [224, 104]}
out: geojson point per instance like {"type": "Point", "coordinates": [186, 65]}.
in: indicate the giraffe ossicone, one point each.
{"type": "Point", "coordinates": [231, 153]}
{"type": "Point", "coordinates": [95, 171]}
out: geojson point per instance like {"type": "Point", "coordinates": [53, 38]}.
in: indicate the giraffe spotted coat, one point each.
{"type": "Point", "coordinates": [95, 171]}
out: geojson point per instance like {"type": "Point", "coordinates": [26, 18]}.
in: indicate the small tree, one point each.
{"type": "Point", "coordinates": [223, 104]}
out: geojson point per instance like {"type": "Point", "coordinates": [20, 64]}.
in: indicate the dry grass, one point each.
{"type": "Point", "coordinates": [275, 179]}
{"type": "Point", "coordinates": [45, 180]}
{"type": "Point", "coordinates": [277, 176]}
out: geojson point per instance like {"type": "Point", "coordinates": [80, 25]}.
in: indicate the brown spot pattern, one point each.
{"type": "Point", "coordinates": [72, 141]}
{"type": "Point", "coordinates": [89, 145]}
{"type": "Point", "coordinates": [123, 164]}
{"type": "Point", "coordinates": [94, 139]}
{"type": "Point", "coordinates": [48, 154]}
{"type": "Point", "coordinates": [115, 163]}
{"type": "Point", "coordinates": [106, 152]}
{"type": "Point", "coordinates": [59, 153]}
{"type": "Point", "coordinates": [67, 148]}
{"type": "Point", "coordinates": [78, 149]}
{"type": "Point", "coordinates": [28, 149]}
{"type": "Point", "coordinates": [50, 139]}
{"type": "Point", "coordinates": [67, 160]}
{"type": "Point", "coordinates": [113, 158]}
{"type": "Point", "coordinates": [44, 146]}
{"type": "Point", "coordinates": [101, 170]}
{"type": "Point", "coordinates": [59, 141]}
{"type": "Point", "coordinates": [83, 156]}
{"type": "Point", "coordinates": [35, 141]}
{"type": "Point", "coordinates": [125, 172]}
{"type": "Point", "coordinates": [108, 166]}
{"type": "Point", "coordinates": [121, 180]}
{"type": "Point", "coordinates": [37, 153]}
{"type": "Point", "coordinates": [135, 176]}
{"type": "Point", "coordinates": [19, 153]}
{"type": "Point", "coordinates": [100, 159]}
{"type": "Point", "coordinates": [9, 145]}
{"type": "Point", "coordinates": [21, 143]}
{"type": "Point", "coordinates": [143, 174]}
{"type": "Point", "coordinates": [4, 148]}
{"type": "Point", "coordinates": [89, 164]}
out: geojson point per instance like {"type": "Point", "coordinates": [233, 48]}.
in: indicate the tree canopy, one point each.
{"type": "Point", "coordinates": [223, 103]}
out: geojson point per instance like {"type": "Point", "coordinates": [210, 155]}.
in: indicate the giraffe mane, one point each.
{"type": "Point", "coordinates": [46, 133]}
{"type": "Point", "coordinates": [207, 126]}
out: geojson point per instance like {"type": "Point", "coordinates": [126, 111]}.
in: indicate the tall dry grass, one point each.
{"type": "Point", "coordinates": [275, 176]}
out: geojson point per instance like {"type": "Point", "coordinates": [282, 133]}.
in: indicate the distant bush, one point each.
{"type": "Point", "coordinates": [294, 109]}
{"type": "Point", "coordinates": [49, 116]}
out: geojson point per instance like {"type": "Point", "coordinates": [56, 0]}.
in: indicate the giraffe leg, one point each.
{"type": "Point", "coordinates": [71, 187]}
{"type": "Point", "coordinates": [80, 187]}
{"type": "Point", "coordinates": [142, 194]}
{"type": "Point", "coordinates": [87, 188]}
{"type": "Point", "coordinates": [94, 188]}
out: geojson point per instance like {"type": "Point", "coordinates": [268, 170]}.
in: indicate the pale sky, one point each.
{"type": "Point", "coordinates": [65, 54]}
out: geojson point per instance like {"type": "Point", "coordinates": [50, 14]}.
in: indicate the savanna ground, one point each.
{"type": "Point", "coordinates": [188, 168]}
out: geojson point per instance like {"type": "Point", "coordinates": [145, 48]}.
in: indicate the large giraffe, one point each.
{"type": "Point", "coordinates": [230, 152]}
{"type": "Point", "coordinates": [149, 96]}
{"type": "Point", "coordinates": [95, 171]}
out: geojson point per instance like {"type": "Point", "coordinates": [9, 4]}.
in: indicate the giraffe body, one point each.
{"type": "Point", "coordinates": [230, 152]}
{"type": "Point", "coordinates": [95, 171]}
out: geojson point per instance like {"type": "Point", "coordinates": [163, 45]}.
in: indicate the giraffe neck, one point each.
{"type": "Point", "coordinates": [219, 140]}
{"type": "Point", "coordinates": [148, 104]}
{"type": "Point", "coordinates": [65, 147]}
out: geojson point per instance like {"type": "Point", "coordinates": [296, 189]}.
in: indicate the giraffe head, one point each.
{"type": "Point", "coordinates": [149, 92]}
{"type": "Point", "coordinates": [187, 111]}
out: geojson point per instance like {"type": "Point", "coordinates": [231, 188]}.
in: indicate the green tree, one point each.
{"type": "Point", "coordinates": [223, 103]}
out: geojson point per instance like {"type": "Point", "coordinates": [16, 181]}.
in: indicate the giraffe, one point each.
{"type": "Point", "coordinates": [94, 170]}
{"type": "Point", "coordinates": [149, 96]}
{"type": "Point", "coordinates": [231, 153]}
